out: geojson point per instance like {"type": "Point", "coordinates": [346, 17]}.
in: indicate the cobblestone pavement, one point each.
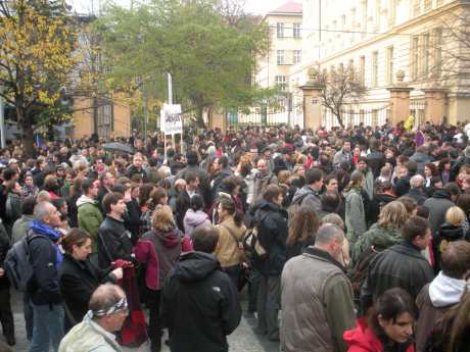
{"type": "Point", "coordinates": [243, 339]}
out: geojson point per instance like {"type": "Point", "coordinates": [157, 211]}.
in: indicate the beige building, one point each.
{"type": "Point", "coordinates": [383, 38]}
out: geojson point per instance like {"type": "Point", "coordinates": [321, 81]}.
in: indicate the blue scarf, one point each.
{"type": "Point", "coordinates": [45, 230]}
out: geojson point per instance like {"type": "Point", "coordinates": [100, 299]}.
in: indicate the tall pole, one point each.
{"type": "Point", "coordinates": [2, 119]}
{"type": "Point", "coordinates": [146, 112]}
{"type": "Point", "coordinates": [170, 89]}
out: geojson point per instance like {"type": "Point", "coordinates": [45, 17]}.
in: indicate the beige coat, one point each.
{"type": "Point", "coordinates": [227, 251]}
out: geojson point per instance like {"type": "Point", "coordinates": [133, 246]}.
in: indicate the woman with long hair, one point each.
{"type": "Point", "coordinates": [302, 229]}
{"type": "Point", "coordinates": [389, 326]}
{"type": "Point", "coordinates": [79, 277]}
{"type": "Point", "coordinates": [354, 208]}
{"type": "Point", "coordinates": [159, 249]}
{"type": "Point", "coordinates": [231, 230]}
{"type": "Point", "coordinates": [385, 232]}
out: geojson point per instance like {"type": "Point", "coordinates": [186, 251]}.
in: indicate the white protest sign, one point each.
{"type": "Point", "coordinates": [171, 119]}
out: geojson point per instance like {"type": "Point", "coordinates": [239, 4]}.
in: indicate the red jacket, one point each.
{"type": "Point", "coordinates": [363, 339]}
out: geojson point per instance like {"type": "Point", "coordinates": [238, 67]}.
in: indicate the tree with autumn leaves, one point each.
{"type": "Point", "coordinates": [36, 46]}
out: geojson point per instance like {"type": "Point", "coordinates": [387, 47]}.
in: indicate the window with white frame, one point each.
{"type": "Point", "coordinates": [280, 30]}
{"type": "Point", "coordinates": [296, 56]}
{"type": "Point", "coordinates": [280, 57]}
{"type": "Point", "coordinates": [375, 69]}
{"type": "Point", "coordinates": [281, 82]}
{"type": "Point", "coordinates": [296, 30]}
{"type": "Point", "coordinates": [389, 65]}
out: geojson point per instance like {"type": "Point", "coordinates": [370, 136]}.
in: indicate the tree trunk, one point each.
{"type": "Point", "coordinates": [200, 118]}
{"type": "Point", "coordinates": [340, 120]}
{"type": "Point", "coordinates": [28, 132]}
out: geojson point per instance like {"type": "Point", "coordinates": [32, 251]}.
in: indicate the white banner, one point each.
{"type": "Point", "coordinates": [171, 120]}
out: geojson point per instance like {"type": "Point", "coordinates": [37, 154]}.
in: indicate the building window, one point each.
{"type": "Point", "coordinates": [414, 57]}
{"type": "Point", "coordinates": [425, 54]}
{"type": "Point", "coordinates": [437, 52]}
{"type": "Point", "coordinates": [392, 12]}
{"type": "Point", "coordinates": [280, 57]}
{"type": "Point", "coordinates": [416, 8]}
{"type": "Point", "coordinates": [281, 82]}
{"type": "Point", "coordinates": [362, 69]}
{"type": "Point", "coordinates": [296, 56]}
{"type": "Point", "coordinates": [375, 69]}
{"type": "Point", "coordinates": [296, 30]}
{"type": "Point", "coordinates": [389, 65]}
{"type": "Point", "coordinates": [427, 5]}
{"type": "Point", "coordinates": [280, 30]}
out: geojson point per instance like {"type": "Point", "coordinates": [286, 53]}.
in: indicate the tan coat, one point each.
{"type": "Point", "coordinates": [227, 251]}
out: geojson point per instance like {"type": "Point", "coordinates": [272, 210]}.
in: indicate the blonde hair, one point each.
{"type": "Point", "coordinates": [393, 214]}
{"type": "Point", "coordinates": [162, 219]}
{"type": "Point", "coordinates": [283, 176]}
{"type": "Point", "coordinates": [455, 216]}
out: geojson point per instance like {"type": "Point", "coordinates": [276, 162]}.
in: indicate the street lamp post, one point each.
{"type": "Point", "coordinates": [2, 119]}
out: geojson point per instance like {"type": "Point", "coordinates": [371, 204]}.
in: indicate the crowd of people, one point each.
{"type": "Point", "coordinates": [352, 239]}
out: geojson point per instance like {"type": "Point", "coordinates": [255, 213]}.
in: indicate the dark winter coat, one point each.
{"type": "Point", "coordinates": [438, 205]}
{"type": "Point", "coordinates": [272, 234]}
{"type": "Point", "coordinates": [418, 195]}
{"type": "Point", "coordinates": [402, 265]}
{"type": "Point", "coordinates": [200, 305]}
{"type": "Point", "coordinates": [114, 242]}
{"type": "Point", "coordinates": [78, 280]}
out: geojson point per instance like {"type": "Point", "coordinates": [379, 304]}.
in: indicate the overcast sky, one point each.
{"type": "Point", "coordinates": [252, 6]}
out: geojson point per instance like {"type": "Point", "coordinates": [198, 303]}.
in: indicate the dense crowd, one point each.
{"type": "Point", "coordinates": [352, 239]}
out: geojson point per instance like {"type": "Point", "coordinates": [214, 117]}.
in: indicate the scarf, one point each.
{"type": "Point", "coordinates": [47, 231]}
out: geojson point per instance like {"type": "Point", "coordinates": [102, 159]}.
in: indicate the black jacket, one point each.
{"type": "Point", "coordinates": [418, 195]}
{"type": "Point", "coordinates": [200, 305]}
{"type": "Point", "coordinates": [272, 234]}
{"type": "Point", "coordinates": [114, 242]}
{"type": "Point", "coordinates": [44, 288]}
{"type": "Point", "coordinates": [78, 280]}
{"type": "Point", "coordinates": [183, 201]}
{"type": "Point", "coordinates": [402, 265]}
{"type": "Point", "coordinates": [4, 247]}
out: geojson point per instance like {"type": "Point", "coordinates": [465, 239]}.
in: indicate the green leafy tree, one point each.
{"type": "Point", "coordinates": [35, 57]}
{"type": "Point", "coordinates": [211, 56]}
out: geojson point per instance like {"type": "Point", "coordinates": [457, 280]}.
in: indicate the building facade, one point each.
{"type": "Point", "coordinates": [424, 42]}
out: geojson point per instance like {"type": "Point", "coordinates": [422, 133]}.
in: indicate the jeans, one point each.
{"type": "Point", "coordinates": [268, 304]}
{"type": "Point", "coordinates": [233, 273]}
{"type": "Point", "coordinates": [28, 315]}
{"type": "Point", "coordinates": [48, 327]}
{"type": "Point", "coordinates": [6, 316]}
{"type": "Point", "coordinates": [155, 323]}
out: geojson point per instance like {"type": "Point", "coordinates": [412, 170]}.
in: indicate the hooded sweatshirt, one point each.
{"type": "Point", "coordinates": [193, 219]}
{"type": "Point", "coordinates": [446, 291]}
{"type": "Point", "coordinates": [201, 295]}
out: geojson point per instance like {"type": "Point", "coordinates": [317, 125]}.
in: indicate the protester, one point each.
{"type": "Point", "coordinates": [389, 327]}
{"type": "Point", "coordinates": [79, 277]}
{"type": "Point", "coordinates": [114, 240]}
{"type": "Point", "coordinates": [317, 301]}
{"type": "Point", "coordinates": [107, 312]}
{"type": "Point", "coordinates": [89, 213]}
{"type": "Point", "coordinates": [401, 265]}
{"type": "Point", "coordinates": [444, 292]}
{"type": "Point", "coordinates": [302, 229]}
{"type": "Point", "coordinates": [46, 258]}
{"type": "Point", "coordinates": [209, 314]}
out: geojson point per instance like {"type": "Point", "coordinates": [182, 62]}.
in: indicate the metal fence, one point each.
{"type": "Point", "coordinates": [353, 117]}
{"type": "Point", "coordinates": [417, 109]}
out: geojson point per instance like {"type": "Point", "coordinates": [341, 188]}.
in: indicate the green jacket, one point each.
{"type": "Point", "coordinates": [89, 217]}
{"type": "Point", "coordinates": [379, 237]}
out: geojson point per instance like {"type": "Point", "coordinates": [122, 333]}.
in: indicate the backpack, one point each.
{"type": "Point", "coordinates": [358, 272]}
{"type": "Point", "coordinates": [18, 265]}
{"type": "Point", "coordinates": [251, 242]}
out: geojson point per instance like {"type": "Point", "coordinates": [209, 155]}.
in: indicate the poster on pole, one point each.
{"type": "Point", "coordinates": [171, 120]}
